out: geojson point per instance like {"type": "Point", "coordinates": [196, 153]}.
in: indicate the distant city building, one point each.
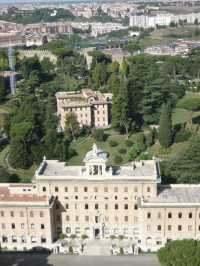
{"type": "Point", "coordinates": [98, 28]}
{"type": "Point", "coordinates": [92, 108]}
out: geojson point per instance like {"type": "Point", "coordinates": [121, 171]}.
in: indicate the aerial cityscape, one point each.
{"type": "Point", "coordinates": [99, 133]}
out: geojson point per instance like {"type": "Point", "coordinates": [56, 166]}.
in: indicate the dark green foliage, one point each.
{"type": "Point", "coordinates": [165, 129]}
{"type": "Point", "coordinates": [133, 152]}
{"type": "Point", "coordinates": [72, 128]}
{"type": "Point", "coordinates": [113, 143]}
{"type": "Point", "coordinates": [128, 142]}
{"type": "Point", "coordinates": [122, 151]}
{"type": "Point", "coordinates": [6, 177]}
{"type": "Point", "coordinates": [98, 134]}
{"type": "Point", "coordinates": [180, 252]}
{"type": "Point", "coordinates": [182, 136]}
{"type": "Point", "coordinates": [3, 90]}
{"type": "Point", "coordinates": [118, 159]}
{"type": "Point", "coordinates": [35, 16]}
{"type": "Point", "coordinates": [140, 140]}
{"type": "Point", "coordinates": [185, 167]}
{"type": "Point", "coordinates": [149, 138]}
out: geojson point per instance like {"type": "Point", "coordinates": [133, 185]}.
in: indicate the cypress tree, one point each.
{"type": "Point", "coordinates": [165, 130]}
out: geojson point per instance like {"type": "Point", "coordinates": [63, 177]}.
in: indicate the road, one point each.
{"type": "Point", "coordinates": [63, 260]}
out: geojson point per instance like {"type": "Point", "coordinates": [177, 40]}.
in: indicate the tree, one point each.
{"type": "Point", "coordinates": [98, 134]}
{"type": "Point", "coordinates": [2, 89]}
{"type": "Point", "coordinates": [180, 252]}
{"type": "Point", "coordinates": [165, 130]}
{"type": "Point", "coordinates": [20, 155]}
{"type": "Point", "coordinates": [72, 127]}
{"type": "Point", "coordinates": [185, 166]}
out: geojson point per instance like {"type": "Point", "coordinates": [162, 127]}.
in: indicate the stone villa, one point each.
{"type": "Point", "coordinates": [92, 108]}
{"type": "Point", "coordinates": [98, 200]}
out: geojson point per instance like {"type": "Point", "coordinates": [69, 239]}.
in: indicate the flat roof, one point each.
{"type": "Point", "coordinates": [177, 194]}
{"type": "Point", "coordinates": [53, 169]}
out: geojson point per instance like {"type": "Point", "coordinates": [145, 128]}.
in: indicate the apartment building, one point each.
{"type": "Point", "coordinates": [26, 219]}
{"type": "Point", "coordinates": [98, 28]}
{"type": "Point", "coordinates": [92, 108]}
{"type": "Point", "coordinates": [98, 200]}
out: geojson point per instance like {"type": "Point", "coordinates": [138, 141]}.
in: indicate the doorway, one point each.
{"type": "Point", "coordinates": [97, 233]}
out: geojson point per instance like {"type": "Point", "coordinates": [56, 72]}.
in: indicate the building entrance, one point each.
{"type": "Point", "coordinates": [97, 233]}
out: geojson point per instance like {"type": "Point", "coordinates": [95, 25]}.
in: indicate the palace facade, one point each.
{"type": "Point", "coordinates": [98, 200]}
{"type": "Point", "coordinates": [92, 108]}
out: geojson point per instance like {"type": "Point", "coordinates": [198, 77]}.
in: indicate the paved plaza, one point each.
{"type": "Point", "coordinates": [64, 260]}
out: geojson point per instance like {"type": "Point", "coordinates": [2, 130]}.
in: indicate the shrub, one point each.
{"type": "Point", "coordinates": [118, 159]}
{"type": "Point", "coordinates": [180, 252]}
{"type": "Point", "coordinates": [133, 152]}
{"type": "Point", "coordinates": [128, 143]}
{"type": "Point", "coordinates": [140, 140]}
{"type": "Point", "coordinates": [113, 143]}
{"type": "Point", "coordinates": [149, 139]}
{"type": "Point", "coordinates": [182, 136]}
{"type": "Point", "coordinates": [122, 151]}
{"type": "Point", "coordinates": [98, 134]}
{"type": "Point", "coordinates": [62, 236]}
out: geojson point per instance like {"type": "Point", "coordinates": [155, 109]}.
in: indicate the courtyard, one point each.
{"type": "Point", "coordinates": [63, 260]}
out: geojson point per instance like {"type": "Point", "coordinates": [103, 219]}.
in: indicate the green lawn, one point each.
{"type": "Point", "coordinates": [82, 147]}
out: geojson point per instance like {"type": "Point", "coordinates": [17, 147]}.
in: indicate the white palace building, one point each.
{"type": "Point", "coordinates": [98, 200]}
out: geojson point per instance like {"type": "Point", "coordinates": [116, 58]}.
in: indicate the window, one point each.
{"type": "Point", "coordinates": [116, 206]}
{"type": "Point", "coordinates": [115, 189]}
{"type": "Point", "coordinates": [169, 227]}
{"type": "Point", "coordinates": [22, 226]}
{"type": "Point", "coordinates": [85, 189]}
{"type": "Point", "coordinates": [75, 206]}
{"type": "Point", "coordinates": [189, 228]}
{"type": "Point", "coordinates": [31, 214]}
{"type": "Point", "coordinates": [32, 226]}
{"type": "Point", "coordinates": [66, 206]}
{"type": "Point", "coordinates": [148, 215]}
{"type": "Point", "coordinates": [66, 189]}
{"type": "Point", "coordinates": [106, 206]}
{"type": "Point", "coordinates": [77, 218]}
{"type": "Point", "coordinates": [86, 206]}
{"type": "Point", "coordinates": [43, 239]}
{"type": "Point", "coordinates": [126, 206]}
{"type": "Point", "coordinates": [56, 189]}
{"type": "Point", "coordinates": [2, 213]}
{"type": "Point", "coordinates": [159, 215]}
{"type": "Point", "coordinates": [14, 239]}
{"type": "Point", "coordinates": [135, 207]}
{"type": "Point", "coordinates": [12, 214]}
{"type": "Point", "coordinates": [169, 215]}
{"type": "Point", "coordinates": [68, 230]}
{"type": "Point", "coordinates": [105, 189]}
{"type": "Point", "coordinates": [125, 218]}
{"type": "Point", "coordinates": [4, 239]}
{"type": "Point", "coordinates": [159, 227]}
{"type": "Point", "coordinates": [23, 239]}
{"type": "Point", "coordinates": [148, 189]}
{"type": "Point", "coordinates": [96, 219]}
{"type": "Point", "coordinates": [116, 197]}
{"type": "Point", "coordinates": [75, 189]}
{"type": "Point", "coordinates": [87, 218]}
{"type": "Point", "coordinates": [125, 189]}
{"type": "Point", "coordinates": [13, 226]}
{"type": "Point", "coordinates": [190, 215]}
{"type": "Point", "coordinates": [96, 206]}
{"type": "Point", "coordinates": [42, 226]}
{"type": "Point", "coordinates": [44, 189]}
{"type": "Point", "coordinates": [180, 215]}
{"type": "Point", "coordinates": [41, 214]}
{"type": "Point", "coordinates": [179, 227]}
{"type": "Point", "coordinates": [33, 239]}
{"type": "Point", "coordinates": [58, 218]}
{"type": "Point", "coordinates": [76, 197]}
{"type": "Point", "coordinates": [67, 218]}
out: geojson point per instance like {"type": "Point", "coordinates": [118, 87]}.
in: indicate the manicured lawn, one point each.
{"type": "Point", "coordinates": [82, 147]}
{"type": "Point", "coordinates": [158, 151]}
{"type": "Point", "coordinates": [25, 175]}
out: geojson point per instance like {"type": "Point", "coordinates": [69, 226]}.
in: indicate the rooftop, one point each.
{"type": "Point", "coordinates": [177, 194]}
{"type": "Point", "coordinates": [17, 194]}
